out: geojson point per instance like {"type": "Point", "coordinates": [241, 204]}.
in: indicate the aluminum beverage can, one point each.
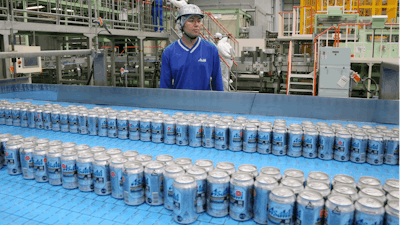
{"type": "Point", "coordinates": [157, 130]}
{"type": "Point", "coordinates": [281, 206]}
{"type": "Point", "coordinates": [185, 163]}
{"type": "Point", "coordinates": [346, 191]}
{"type": "Point", "coordinates": [221, 136]}
{"type": "Point", "coordinates": [130, 155]}
{"type": "Point", "coordinates": [54, 165]}
{"type": "Point", "coordinates": [310, 143]}
{"type": "Point", "coordinates": [369, 211]}
{"type": "Point", "coordinates": [375, 150]}
{"type": "Point", "coordinates": [8, 115]}
{"type": "Point", "coordinates": [316, 176]}
{"type": "Point", "coordinates": [30, 140]}
{"type": "Point", "coordinates": [80, 149]}
{"type": "Point", "coordinates": [16, 116]}
{"type": "Point", "coordinates": [2, 115]}
{"type": "Point", "coordinates": [235, 137]}
{"type": "Point", "coordinates": [39, 119]}
{"type": "Point", "coordinates": [169, 131]}
{"type": "Point", "coordinates": [391, 143]}
{"type": "Point", "coordinates": [216, 116]}
{"type": "Point", "coordinates": [123, 127]}
{"type": "Point", "coordinates": [102, 129]}
{"type": "Point", "coordinates": [373, 193]}
{"type": "Point", "coordinates": [208, 134]}
{"type": "Point", "coordinates": [170, 173]}
{"type": "Point", "coordinates": [295, 185]}
{"type": "Point", "coordinates": [134, 128]}
{"type": "Point", "coordinates": [68, 166]}
{"type": "Point", "coordinates": [166, 159]}
{"type": "Point", "coordinates": [250, 138]}
{"type": "Point", "coordinates": [31, 118]}
{"type": "Point", "coordinates": [241, 196]}
{"type": "Point", "coordinates": [309, 208]}
{"type": "Point", "coordinates": [201, 179]}
{"type": "Point", "coordinates": [322, 188]}
{"type": "Point", "coordinates": [43, 142]}
{"type": "Point", "coordinates": [92, 124]}
{"type": "Point", "coordinates": [226, 166]}
{"type": "Point", "coordinates": [326, 144]}
{"type": "Point", "coordinates": [205, 164]}
{"type": "Point", "coordinates": [339, 210]}
{"type": "Point", "coordinates": [68, 146]}
{"type": "Point", "coordinates": [279, 141]}
{"type": "Point", "coordinates": [185, 204]}
{"type": "Point", "coordinates": [264, 139]}
{"type": "Point", "coordinates": [40, 163]}
{"type": "Point", "coordinates": [26, 154]}
{"type": "Point", "coordinates": [144, 159]}
{"type": "Point", "coordinates": [132, 176]}
{"type": "Point", "coordinates": [218, 193]}
{"type": "Point", "coordinates": [344, 180]}
{"type": "Point", "coordinates": [112, 131]}
{"type": "Point", "coordinates": [12, 153]}
{"type": "Point", "coordinates": [83, 122]}
{"type": "Point", "coordinates": [391, 185]}
{"type": "Point", "coordinates": [392, 213]}
{"type": "Point", "coordinates": [262, 188]}
{"type": "Point", "coordinates": [294, 174]}
{"type": "Point", "coordinates": [358, 150]}
{"type": "Point", "coordinates": [117, 183]}
{"type": "Point", "coordinates": [24, 117]}
{"type": "Point", "coordinates": [46, 117]}
{"type": "Point", "coordinates": [85, 171]}
{"type": "Point", "coordinates": [145, 129]}
{"type": "Point", "coordinates": [114, 152]}
{"type": "Point", "coordinates": [101, 174]}
{"type": "Point", "coordinates": [272, 172]}
{"type": "Point", "coordinates": [295, 145]}
{"type": "Point", "coordinates": [248, 168]}
{"type": "Point", "coordinates": [342, 146]}
{"type": "Point", "coordinates": [97, 150]}
{"type": "Point", "coordinates": [195, 133]}
{"type": "Point", "coordinates": [153, 178]}
{"type": "Point", "coordinates": [393, 195]}
{"type": "Point", "coordinates": [64, 126]}
{"type": "Point", "coordinates": [366, 181]}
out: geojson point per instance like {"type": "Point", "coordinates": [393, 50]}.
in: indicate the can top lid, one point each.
{"type": "Point", "coordinates": [240, 176]}
{"type": "Point", "coordinates": [392, 183]}
{"type": "Point", "coordinates": [270, 170]}
{"type": "Point", "coordinates": [225, 165]}
{"type": "Point", "coordinates": [55, 143]}
{"type": "Point", "coordinates": [373, 192]}
{"type": "Point", "coordinates": [318, 185]}
{"type": "Point", "coordinates": [5, 137]}
{"type": "Point", "coordinates": [377, 135]}
{"type": "Point", "coordinates": [97, 149]}
{"type": "Point", "coordinates": [143, 158]}
{"type": "Point", "coordinates": [289, 182]}
{"type": "Point", "coordinates": [340, 200]}
{"type": "Point", "coordinates": [164, 158]}
{"type": "Point", "coordinates": [102, 157]}
{"type": "Point", "coordinates": [119, 160]}
{"type": "Point", "coordinates": [85, 155]}
{"type": "Point", "coordinates": [82, 147]}
{"type": "Point", "coordinates": [294, 173]}
{"type": "Point", "coordinates": [250, 126]}
{"type": "Point", "coordinates": [196, 170]}
{"type": "Point", "coordinates": [31, 139]}
{"type": "Point", "coordinates": [173, 169]}
{"type": "Point", "coordinates": [113, 151]}
{"type": "Point", "coordinates": [55, 149]}
{"type": "Point", "coordinates": [41, 148]}
{"type": "Point", "coordinates": [133, 165]}
{"type": "Point", "coordinates": [326, 131]}
{"type": "Point", "coordinates": [68, 145]}
{"type": "Point", "coordinates": [130, 153]}
{"type": "Point", "coordinates": [28, 146]}
{"type": "Point", "coordinates": [169, 120]}
{"type": "Point", "coordinates": [318, 175]}
{"type": "Point", "coordinates": [218, 174]}
{"type": "Point", "coordinates": [282, 192]}
{"type": "Point", "coordinates": [155, 165]}
{"type": "Point", "coordinates": [247, 168]}
{"type": "Point", "coordinates": [394, 204]}
{"type": "Point", "coordinates": [68, 152]}
{"type": "Point", "coordinates": [370, 202]}
{"type": "Point", "coordinates": [264, 179]}
{"type": "Point", "coordinates": [345, 189]}
{"type": "Point", "coordinates": [183, 161]}
{"type": "Point", "coordinates": [369, 181]}
{"type": "Point", "coordinates": [16, 137]}
{"type": "Point", "coordinates": [203, 163]}
{"type": "Point", "coordinates": [43, 140]}
{"type": "Point", "coordinates": [185, 179]}
{"type": "Point", "coordinates": [14, 142]}
{"type": "Point", "coordinates": [311, 195]}
{"type": "Point", "coordinates": [344, 179]}
{"type": "Point", "coordinates": [395, 193]}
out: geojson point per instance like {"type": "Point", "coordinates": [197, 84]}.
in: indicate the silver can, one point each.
{"type": "Point", "coordinates": [279, 141]}
{"type": "Point", "coordinates": [43, 142]}
{"type": "Point", "coordinates": [85, 171]}
{"type": "Point", "coordinates": [102, 125]}
{"type": "Point", "coordinates": [295, 185]}
{"type": "Point", "coordinates": [123, 127]}
{"type": "Point", "coordinates": [134, 128]}
{"type": "Point", "coordinates": [294, 174]}
{"type": "Point", "coordinates": [391, 185]}
{"type": "Point", "coordinates": [346, 191]}
{"type": "Point", "coordinates": [195, 133]}
{"type": "Point", "coordinates": [17, 138]}
{"type": "Point", "coordinates": [101, 174]}
{"type": "Point", "coordinates": [322, 188]}
{"type": "Point", "coordinates": [68, 166]}
{"type": "Point", "coordinates": [391, 146]}
{"type": "Point", "coordinates": [185, 163]}
{"type": "Point", "coordinates": [250, 138]}
{"type": "Point", "coordinates": [169, 131]}
{"type": "Point", "coordinates": [326, 144]}
{"type": "Point", "coordinates": [3, 139]}
{"type": "Point", "coordinates": [281, 206]}
{"type": "Point", "coordinates": [262, 188]}
{"type": "Point", "coordinates": [185, 190]}
{"type": "Point", "coordinates": [26, 157]}
{"type": "Point", "coordinates": [393, 195]}
{"type": "Point", "coordinates": [376, 149]}
{"type": "Point", "coordinates": [272, 172]}
{"type": "Point", "coordinates": [170, 173]}
{"type": "Point", "coordinates": [157, 130]}
{"type": "Point", "coordinates": [221, 136]}
{"type": "Point", "coordinates": [39, 119]}
{"type": "Point", "coordinates": [145, 129]}
{"type": "Point", "coordinates": [344, 180]}
{"type": "Point", "coordinates": [144, 159]}
{"type": "Point", "coordinates": [316, 176]}
{"type": "Point", "coordinates": [235, 137]}
{"type": "Point", "coordinates": [366, 181]}
{"type": "Point", "coordinates": [248, 168]}
{"type": "Point", "coordinates": [182, 132]}
{"type": "Point", "coordinates": [12, 152]}
{"type": "Point", "coordinates": [130, 155]}
{"type": "Point", "coordinates": [133, 183]}
{"type": "Point", "coordinates": [83, 122]}
{"type": "Point", "coordinates": [205, 164]}
{"type": "Point", "coordinates": [226, 166]}
{"type": "Point", "coordinates": [64, 127]}
{"type": "Point", "coordinates": [369, 210]}
{"type": "Point", "coordinates": [73, 121]}
{"type": "Point", "coordinates": [358, 147]}
{"type": "Point", "coordinates": [392, 213]}
{"type": "Point", "coordinates": [30, 140]}
{"type": "Point", "coordinates": [373, 193]}
{"type": "Point", "coordinates": [295, 141]}
{"type": "Point", "coordinates": [54, 165]}
{"type": "Point", "coordinates": [218, 193]}
{"type": "Point", "coordinates": [339, 210]}
{"type": "Point", "coordinates": [40, 163]}
{"type": "Point", "coordinates": [92, 124]}
{"type": "Point", "coordinates": [201, 178]}
{"type": "Point", "coordinates": [113, 152]}
{"type": "Point", "coordinates": [166, 159]}
{"type": "Point", "coordinates": [310, 208]}
{"type": "Point", "coordinates": [68, 146]}
{"type": "Point", "coordinates": [97, 150]}
{"type": "Point", "coordinates": [342, 146]}
{"type": "Point", "coordinates": [208, 134]}
{"type": "Point", "coordinates": [153, 177]}
{"type": "Point", "coordinates": [241, 196]}
{"type": "Point", "coordinates": [117, 183]}
{"type": "Point", "coordinates": [82, 149]}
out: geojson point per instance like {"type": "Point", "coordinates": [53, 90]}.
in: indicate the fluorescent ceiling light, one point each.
{"type": "Point", "coordinates": [35, 7]}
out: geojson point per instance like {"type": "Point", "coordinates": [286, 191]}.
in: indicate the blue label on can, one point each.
{"type": "Point", "coordinates": [102, 127]}
{"type": "Point", "coordinates": [185, 205]}
{"type": "Point", "coordinates": [250, 141]}
{"type": "Point", "coordinates": [9, 118]}
{"type": "Point", "coordinates": [27, 166]}
{"type": "Point", "coordinates": [46, 120]}
{"type": "Point", "coordinates": [145, 131]}
{"type": "Point", "coordinates": [335, 216]}
{"type": "Point", "coordinates": [279, 141]}
{"type": "Point", "coordinates": [310, 146]}
{"type": "Point", "coordinates": [169, 134]}
{"type": "Point", "coordinates": [154, 188]}
{"type": "Point", "coordinates": [208, 138]}
{"type": "Point", "coordinates": [169, 193]}
{"type": "Point", "coordinates": [217, 199]}
{"type": "Point", "coordinates": [69, 174]}
{"type": "Point", "coordinates": [73, 123]}
{"type": "Point", "coordinates": [309, 214]}
{"type": "Point", "coordinates": [264, 142]}
{"type": "Point", "coordinates": [64, 127]}
{"type": "Point", "coordinates": [31, 119]}
{"type": "Point", "coordinates": [325, 148]}
{"type": "Point", "coordinates": [182, 134]}
{"type": "Point", "coordinates": [391, 220]}
{"type": "Point", "coordinates": [235, 140]}
{"type": "Point", "coordinates": [92, 126]}
{"type": "Point", "coordinates": [195, 134]}
{"type": "Point", "coordinates": [134, 127]}
{"type": "Point", "coordinates": [133, 188]}
{"type": "Point", "coordinates": [13, 161]}
{"type": "Point", "coordinates": [358, 150]}
{"type": "Point", "coordinates": [40, 162]}
{"type": "Point", "coordinates": [261, 200]}
{"type": "Point", "coordinates": [241, 199]}
{"type": "Point", "coordinates": [221, 138]}
{"type": "Point", "coordinates": [55, 121]}
{"type": "Point", "coordinates": [201, 195]}
{"type": "Point", "coordinates": [295, 145]}
{"type": "Point", "coordinates": [342, 149]}
{"type": "Point", "coordinates": [279, 213]}
{"type": "Point", "coordinates": [16, 118]}
{"type": "Point", "coordinates": [2, 116]}
{"type": "Point", "coordinates": [54, 169]}
{"type": "Point", "coordinates": [83, 124]}
{"type": "Point", "coordinates": [117, 184]}
{"type": "Point", "coordinates": [375, 152]}
{"type": "Point", "coordinates": [112, 128]}
{"type": "Point", "coordinates": [157, 130]}
{"type": "Point", "coordinates": [85, 178]}
{"type": "Point", "coordinates": [102, 183]}
{"type": "Point", "coordinates": [24, 119]}
{"type": "Point", "coordinates": [38, 120]}
{"type": "Point", "coordinates": [362, 218]}
{"type": "Point", "coordinates": [391, 152]}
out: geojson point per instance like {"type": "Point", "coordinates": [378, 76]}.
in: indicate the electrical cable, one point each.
{"type": "Point", "coordinates": [373, 93]}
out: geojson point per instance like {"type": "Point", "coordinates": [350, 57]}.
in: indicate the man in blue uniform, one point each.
{"type": "Point", "coordinates": [157, 13]}
{"type": "Point", "coordinates": [190, 62]}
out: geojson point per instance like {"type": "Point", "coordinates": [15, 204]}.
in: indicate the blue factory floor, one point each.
{"type": "Point", "coordinates": [28, 202]}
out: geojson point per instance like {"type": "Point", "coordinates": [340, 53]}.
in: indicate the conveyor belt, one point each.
{"type": "Point", "coordinates": [25, 201]}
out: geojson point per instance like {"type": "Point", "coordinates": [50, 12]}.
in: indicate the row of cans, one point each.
{"type": "Point", "coordinates": [350, 143]}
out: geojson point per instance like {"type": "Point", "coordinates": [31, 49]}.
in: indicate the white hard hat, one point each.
{"type": "Point", "coordinates": [189, 9]}
{"type": "Point", "coordinates": [218, 35]}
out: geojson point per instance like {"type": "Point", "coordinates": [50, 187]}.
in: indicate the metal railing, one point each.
{"type": "Point", "coordinates": [285, 23]}
{"type": "Point", "coordinates": [348, 6]}
{"type": "Point", "coordinates": [4, 14]}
